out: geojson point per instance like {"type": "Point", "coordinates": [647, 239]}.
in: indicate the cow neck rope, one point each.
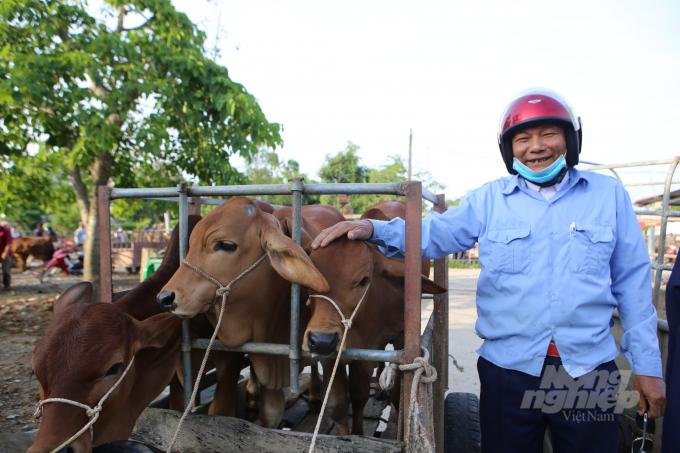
{"type": "Point", "coordinates": [224, 292]}
{"type": "Point", "coordinates": [92, 412]}
{"type": "Point", "coordinates": [347, 323]}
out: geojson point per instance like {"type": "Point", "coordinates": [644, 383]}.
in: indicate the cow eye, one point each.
{"type": "Point", "coordinates": [224, 247]}
{"type": "Point", "coordinates": [114, 369]}
{"type": "Point", "coordinates": [363, 282]}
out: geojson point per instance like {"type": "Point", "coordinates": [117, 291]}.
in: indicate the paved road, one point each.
{"type": "Point", "coordinates": [463, 342]}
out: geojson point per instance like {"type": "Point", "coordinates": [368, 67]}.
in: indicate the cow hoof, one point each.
{"type": "Point", "coordinates": [123, 446]}
{"type": "Point", "coordinates": [314, 406]}
{"type": "Point", "coordinates": [382, 395]}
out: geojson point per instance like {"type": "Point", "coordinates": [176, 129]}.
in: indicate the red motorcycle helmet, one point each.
{"type": "Point", "coordinates": [533, 107]}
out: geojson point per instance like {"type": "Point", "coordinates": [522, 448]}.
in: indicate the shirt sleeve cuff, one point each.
{"type": "Point", "coordinates": [378, 238]}
{"type": "Point", "coordinates": [645, 365]}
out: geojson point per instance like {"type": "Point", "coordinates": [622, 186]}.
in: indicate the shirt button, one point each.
{"type": "Point", "coordinates": [553, 297]}
{"type": "Point", "coordinates": [552, 235]}
{"type": "Point", "coordinates": [550, 205]}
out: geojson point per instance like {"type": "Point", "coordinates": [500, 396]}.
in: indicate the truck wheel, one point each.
{"type": "Point", "coordinates": [461, 423]}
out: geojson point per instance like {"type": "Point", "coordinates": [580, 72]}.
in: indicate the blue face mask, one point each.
{"type": "Point", "coordinates": [545, 175]}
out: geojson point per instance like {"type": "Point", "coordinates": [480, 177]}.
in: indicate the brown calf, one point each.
{"type": "Point", "coordinates": [352, 268]}
{"type": "Point", "coordinates": [41, 248]}
{"type": "Point", "coordinates": [225, 243]}
{"type": "Point", "coordinates": [86, 348]}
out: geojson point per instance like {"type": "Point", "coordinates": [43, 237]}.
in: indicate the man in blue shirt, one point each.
{"type": "Point", "coordinates": [560, 249]}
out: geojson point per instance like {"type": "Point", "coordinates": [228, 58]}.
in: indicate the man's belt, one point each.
{"type": "Point", "coordinates": [552, 350]}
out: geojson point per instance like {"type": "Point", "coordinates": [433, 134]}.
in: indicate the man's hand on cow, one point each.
{"type": "Point", "coordinates": [652, 389]}
{"type": "Point", "coordinates": [357, 231]}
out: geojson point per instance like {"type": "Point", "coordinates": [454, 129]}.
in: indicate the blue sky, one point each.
{"type": "Point", "coordinates": [369, 71]}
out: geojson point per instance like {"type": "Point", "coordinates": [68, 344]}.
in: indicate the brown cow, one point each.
{"type": "Point", "coordinates": [224, 244]}
{"type": "Point", "coordinates": [87, 346]}
{"type": "Point", "coordinates": [349, 267]}
{"type": "Point", "coordinates": [41, 248]}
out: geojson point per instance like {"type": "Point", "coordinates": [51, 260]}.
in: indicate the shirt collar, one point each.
{"type": "Point", "coordinates": [574, 176]}
{"type": "Point", "coordinates": [557, 186]}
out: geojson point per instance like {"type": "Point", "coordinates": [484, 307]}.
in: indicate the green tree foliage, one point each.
{"type": "Point", "coordinates": [345, 167]}
{"type": "Point", "coordinates": [117, 103]}
{"type": "Point", "coordinates": [266, 168]}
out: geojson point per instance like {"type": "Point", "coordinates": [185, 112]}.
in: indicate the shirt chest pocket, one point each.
{"type": "Point", "coordinates": [510, 250]}
{"type": "Point", "coordinates": [590, 248]}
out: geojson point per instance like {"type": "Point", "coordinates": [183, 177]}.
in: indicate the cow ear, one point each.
{"type": "Point", "coordinates": [82, 292]}
{"type": "Point", "coordinates": [289, 260]}
{"type": "Point", "coordinates": [394, 273]}
{"type": "Point", "coordinates": [156, 331]}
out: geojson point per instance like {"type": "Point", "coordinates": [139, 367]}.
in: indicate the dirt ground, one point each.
{"type": "Point", "coordinates": [25, 311]}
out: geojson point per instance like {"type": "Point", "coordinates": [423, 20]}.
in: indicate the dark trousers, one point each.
{"type": "Point", "coordinates": [670, 438]}
{"type": "Point", "coordinates": [516, 408]}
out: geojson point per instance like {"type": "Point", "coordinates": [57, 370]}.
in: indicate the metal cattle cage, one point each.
{"type": "Point", "coordinates": [436, 336]}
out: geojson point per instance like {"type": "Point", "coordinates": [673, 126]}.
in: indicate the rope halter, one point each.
{"type": "Point", "coordinates": [91, 412]}
{"type": "Point", "coordinates": [222, 291]}
{"type": "Point", "coordinates": [347, 323]}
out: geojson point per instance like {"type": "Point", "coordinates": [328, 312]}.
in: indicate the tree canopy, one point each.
{"type": "Point", "coordinates": [138, 103]}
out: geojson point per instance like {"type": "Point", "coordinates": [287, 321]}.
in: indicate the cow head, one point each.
{"type": "Point", "coordinates": [229, 240]}
{"type": "Point", "coordinates": [350, 266]}
{"type": "Point", "coordinates": [83, 353]}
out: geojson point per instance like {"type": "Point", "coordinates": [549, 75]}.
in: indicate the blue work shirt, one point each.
{"type": "Point", "coordinates": [550, 269]}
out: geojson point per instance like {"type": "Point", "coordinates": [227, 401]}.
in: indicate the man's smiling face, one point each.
{"type": "Point", "coordinates": [540, 146]}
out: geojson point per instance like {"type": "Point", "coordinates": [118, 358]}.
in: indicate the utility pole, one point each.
{"type": "Point", "coordinates": [410, 139]}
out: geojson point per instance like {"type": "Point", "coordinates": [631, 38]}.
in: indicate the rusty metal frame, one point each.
{"type": "Point", "coordinates": [414, 194]}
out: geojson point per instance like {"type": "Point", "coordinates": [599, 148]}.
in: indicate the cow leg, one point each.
{"type": "Point", "coordinates": [228, 366]}
{"type": "Point", "coordinates": [272, 407]}
{"type": "Point", "coordinates": [176, 400]}
{"type": "Point", "coordinates": [252, 391]}
{"type": "Point", "coordinates": [380, 393]}
{"type": "Point", "coordinates": [359, 391]}
{"type": "Point", "coordinates": [337, 406]}
{"type": "Point", "coordinates": [315, 390]}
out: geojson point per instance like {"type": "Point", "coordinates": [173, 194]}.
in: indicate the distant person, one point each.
{"type": "Point", "coordinates": [39, 231]}
{"type": "Point", "coordinates": [50, 231]}
{"type": "Point", "coordinates": [80, 234]}
{"type": "Point", "coordinates": [345, 207]}
{"type": "Point", "coordinates": [120, 235]}
{"type": "Point", "coordinates": [671, 420]}
{"type": "Point", "coordinates": [146, 227]}
{"type": "Point", "coordinates": [6, 255]}
{"type": "Point", "coordinates": [15, 233]}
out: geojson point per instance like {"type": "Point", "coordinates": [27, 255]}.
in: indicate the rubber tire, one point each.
{"type": "Point", "coordinates": [462, 432]}
{"type": "Point", "coordinates": [47, 274]}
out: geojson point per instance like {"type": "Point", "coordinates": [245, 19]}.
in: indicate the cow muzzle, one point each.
{"type": "Point", "coordinates": [167, 301]}
{"type": "Point", "coordinates": [322, 343]}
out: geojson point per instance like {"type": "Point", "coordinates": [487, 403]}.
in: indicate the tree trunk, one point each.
{"type": "Point", "coordinates": [80, 191]}
{"type": "Point", "coordinates": [101, 172]}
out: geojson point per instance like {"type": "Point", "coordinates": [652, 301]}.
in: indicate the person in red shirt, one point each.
{"type": "Point", "coordinates": [6, 255]}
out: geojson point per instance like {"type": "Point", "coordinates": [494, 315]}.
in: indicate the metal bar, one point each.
{"type": "Point", "coordinates": [118, 295]}
{"type": "Point", "coordinates": [170, 192]}
{"type": "Point", "coordinates": [663, 267]}
{"type": "Point", "coordinates": [593, 163]}
{"type": "Point", "coordinates": [432, 198]}
{"type": "Point", "coordinates": [412, 289]}
{"type": "Point", "coordinates": [662, 232]}
{"type": "Point", "coordinates": [274, 189]}
{"type": "Point", "coordinates": [440, 348]}
{"type": "Point", "coordinates": [297, 187]}
{"type": "Point", "coordinates": [104, 220]}
{"type": "Point", "coordinates": [284, 349]}
{"type": "Point", "coordinates": [208, 201]}
{"type": "Point", "coordinates": [659, 213]}
{"type": "Point", "coordinates": [635, 164]}
{"type": "Point", "coordinates": [185, 346]}
{"type": "Point", "coordinates": [194, 205]}
{"type": "Point", "coordinates": [659, 183]}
